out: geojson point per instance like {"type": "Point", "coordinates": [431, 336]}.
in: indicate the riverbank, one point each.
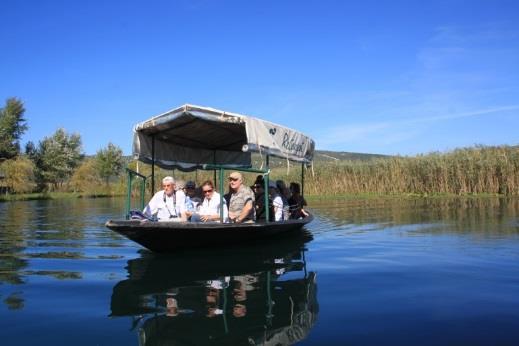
{"type": "Point", "coordinates": [309, 198]}
{"type": "Point", "coordinates": [52, 195]}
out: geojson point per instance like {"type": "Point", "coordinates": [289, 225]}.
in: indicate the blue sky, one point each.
{"type": "Point", "coordinates": [388, 77]}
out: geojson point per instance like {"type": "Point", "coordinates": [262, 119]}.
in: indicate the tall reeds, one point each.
{"type": "Point", "coordinates": [478, 170]}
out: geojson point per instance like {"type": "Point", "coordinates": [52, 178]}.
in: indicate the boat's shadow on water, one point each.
{"type": "Point", "coordinates": [259, 294]}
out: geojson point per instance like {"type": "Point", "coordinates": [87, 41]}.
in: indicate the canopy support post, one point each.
{"type": "Point", "coordinates": [129, 195]}
{"type": "Point", "coordinates": [214, 173]}
{"type": "Point", "coordinates": [152, 165]}
{"type": "Point", "coordinates": [303, 180]}
{"type": "Point", "coordinates": [266, 179]}
{"type": "Point", "coordinates": [221, 193]}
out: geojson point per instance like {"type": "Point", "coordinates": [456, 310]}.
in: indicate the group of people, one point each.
{"type": "Point", "coordinates": [241, 205]}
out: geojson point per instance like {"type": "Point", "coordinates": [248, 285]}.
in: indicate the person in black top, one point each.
{"type": "Point", "coordinates": [297, 202]}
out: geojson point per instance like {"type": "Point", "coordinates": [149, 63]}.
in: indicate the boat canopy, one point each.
{"type": "Point", "coordinates": [190, 137]}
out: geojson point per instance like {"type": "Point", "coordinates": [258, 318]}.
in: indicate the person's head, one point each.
{"type": "Point", "coordinates": [273, 189]}
{"type": "Point", "coordinates": [281, 185]}
{"type": "Point", "coordinates": [235, 180]}
{"type": "Point", "coordinates": [259, 179]}
{"type": "Point", "coordinates": [180, 184]}
{"type": "Point", "coordinates": [190, 188]}
{"type": "Point", "coordinates": [294, 188]}
{"type": "Point", "coordinates": [168, 184]}
{"type": "Point", "coordinates": [208, 189]}
{"type": "Point", "coordinates": [258, 188]}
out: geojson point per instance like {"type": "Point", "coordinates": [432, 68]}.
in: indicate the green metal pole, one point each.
{"type": "Point", "coordinates": [303, 180]}
{"type": "Point", "coordinates": [221, 193]}
{"type": "Point", "coordinates": [143, 191]}
{"type": "Point", "coordinates": [152, 165]}
{"type": "Point", "coordinates": [266, 194]}
{"type": "Point", "coordinates": [214, 170]}
{"type": "Point", "coordinates": [129, 195]}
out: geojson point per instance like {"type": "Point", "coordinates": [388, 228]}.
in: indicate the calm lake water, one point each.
{"type": "Point", "coordinates": [365, 272]}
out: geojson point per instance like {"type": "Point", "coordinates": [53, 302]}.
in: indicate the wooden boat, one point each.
{"type": "Point", "coordinates": [172, 236]}
{"type": "Point", "coordinates": [192, 137]}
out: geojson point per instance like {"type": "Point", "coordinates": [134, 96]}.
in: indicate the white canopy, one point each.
{"type": "Point", "coordinates": [188, 137]}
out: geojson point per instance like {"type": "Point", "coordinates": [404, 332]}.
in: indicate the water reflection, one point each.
{"type": "Point", "coordinates": [250, 295]}
{"type": "Point", "coordinates": [485, 215]}
{"type": "Point", "coordinates": [40, 238]}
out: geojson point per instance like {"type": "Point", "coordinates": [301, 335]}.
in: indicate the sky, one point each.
{"type": "Point", "coordinates": [373, 76]}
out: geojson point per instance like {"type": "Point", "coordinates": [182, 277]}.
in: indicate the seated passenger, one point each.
{"type": "Point", "coordinates": [209, 210]}
{"type": "Point", "coordinates": [277, 201]}
{"type": "Point", "coordinates": [241, 203]}
{"type": "Point", "coordinates": [192, 200]}
{"type": "Point", "coordinates": [297, 202]}
{"type": "Point", "coordinates": [166, 204]}
{"type": "Point", "coordinates": [259, 206]}
{"type": "Point", "coordinates": [284, 193]}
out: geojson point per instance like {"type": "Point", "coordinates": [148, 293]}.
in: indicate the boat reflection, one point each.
{"type": "Point", "coordinates": [250, 295]}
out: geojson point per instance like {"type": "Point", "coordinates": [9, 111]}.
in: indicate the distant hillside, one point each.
{"type": "Point", "coordinates": [326, 155]}
{"type": "Point", "coordinates": [323, 156]}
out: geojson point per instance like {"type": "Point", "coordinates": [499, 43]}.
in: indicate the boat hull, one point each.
{"type": "Point", "coordinates": [173, 236]}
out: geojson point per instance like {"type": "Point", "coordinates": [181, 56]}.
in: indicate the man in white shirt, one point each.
{"type": "Point", "coordinates": [167, 205]}
{"type": "Point", "coordinates": [210, 207]}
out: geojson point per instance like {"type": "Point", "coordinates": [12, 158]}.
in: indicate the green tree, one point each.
{"type": "Point", "coordinates": [58, 156]}
{"type": "Point", "coordinates": [109, 162]}
{"type": "Point", "coordinates": [86, 177]}
{"type": "Point", "coordinates": [19, 174]}
{"type": "Point", "coordinates": [12, 127]}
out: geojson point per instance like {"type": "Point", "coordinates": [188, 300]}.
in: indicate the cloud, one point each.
{"type": "Point", "coordinates": [385, 133]}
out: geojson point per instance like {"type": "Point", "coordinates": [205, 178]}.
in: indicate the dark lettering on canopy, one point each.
{"type": "Point", "coordinates": [291, 145]}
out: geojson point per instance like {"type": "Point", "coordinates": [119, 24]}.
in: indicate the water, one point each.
{"type": "Point", "coordinates": [369, 272]}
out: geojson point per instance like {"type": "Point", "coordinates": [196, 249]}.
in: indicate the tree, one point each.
{"type": "Point", "coordinates": [58, 156]}
{"type": "Point", "coordinates": [19, 174]}
{"type": "Point", "coordinates": [12, 127]}
{"type": "Point", "coordinates": [109, 162]}
{"type": "Point", "coordinates": [86, 177]}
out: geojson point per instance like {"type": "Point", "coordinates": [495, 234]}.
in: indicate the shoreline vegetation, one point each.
{"type": "Point", "coordinates": [56, 168]}
{"type": "Point", "coordinates": [477, 171]}
{"type": "Point", "coordinates": [317, 198]}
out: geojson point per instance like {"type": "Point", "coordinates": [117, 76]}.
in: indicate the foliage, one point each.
{"type": "Point", "coordinates": [58, 156]}
{"type": "Point", "coordinates": [109, 162]}
{"type": "Point", "coordinates": [12, 127]}
{"type": "Point", "coordinates": [19, 175]}
{"type": "Point", "coordinates": [86, 177]}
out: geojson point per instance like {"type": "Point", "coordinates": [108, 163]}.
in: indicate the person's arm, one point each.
{"type": "Point", "coordinates": [244, 212]}
{"type": "Point", "coordinates": [180, 204]}
{"type": "Point", "coordinates": [225, 212]}
{"type": "Point", "coordinates": [152, 206]}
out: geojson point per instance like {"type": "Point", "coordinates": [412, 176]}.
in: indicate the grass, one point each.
{"type": "Point", "coordinates": [476, 171]}
{"type": "Point", "coordinates": [51, 195]}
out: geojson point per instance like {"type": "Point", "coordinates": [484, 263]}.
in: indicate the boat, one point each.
{"type": "Point", "coordinates": [191, 138]}
{"type": "Point", "coordinates": [208, 297]}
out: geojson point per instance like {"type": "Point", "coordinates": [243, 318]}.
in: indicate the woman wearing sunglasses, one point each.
{"type": "Point", "coordinates": [210, 207]}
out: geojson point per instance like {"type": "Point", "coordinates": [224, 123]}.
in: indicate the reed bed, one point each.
{"type": "Point", "coordinates": [466, 171]}
{"type": "Point", "coordinates": [478, 170]}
